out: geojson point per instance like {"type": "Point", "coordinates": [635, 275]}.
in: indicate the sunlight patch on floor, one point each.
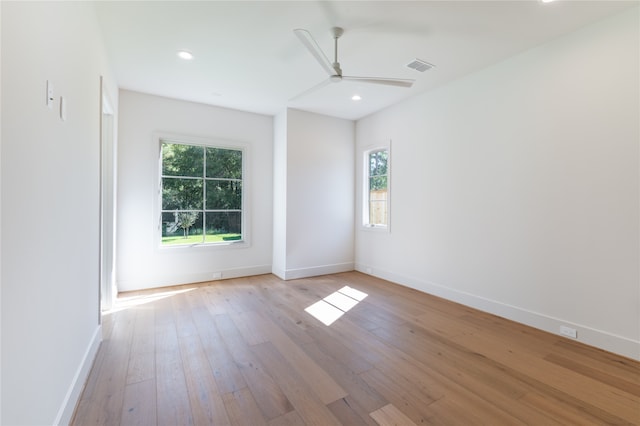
{"type": "Point", "coordinates": [332, 307]}
{"type": "Point", "coordinates": [126, 302]}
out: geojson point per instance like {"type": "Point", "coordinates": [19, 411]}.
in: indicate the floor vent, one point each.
{"type": "Point", "coordinates": [420, 65]}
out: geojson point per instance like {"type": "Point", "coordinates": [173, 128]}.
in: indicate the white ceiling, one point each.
{"type": "Point", "coordinates": [247, 57]}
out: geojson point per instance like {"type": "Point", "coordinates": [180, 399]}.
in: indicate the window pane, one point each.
{"type": "Point", "coordinates": [378, 183]}
{"type": "Point", "coordinates": [223, 226]}
{"type": "Point", "coordinates": [378, 210]}
{"type": "Point", "coordinates": [224, 163]}
{"type": "Point", "coordinates": [198, 209]}
{"type": "Point", "coordinates": [378, 163]}
{"type": "Point", "coordinates": [181, 194]}
{"type": "Point", "coordinates": [182, 160]}
{"type": "Point", "coordinates": [224, 195]}
{"type": "Point", "coordinates": [182, 227]}
{"type": "Point", "coordinates": [378, 213]}
{"type": "Point", "coordinates": [376, 201]}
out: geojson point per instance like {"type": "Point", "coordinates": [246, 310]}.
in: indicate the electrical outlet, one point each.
{"type": "Point", "coordinates": [568, 332]}
{"type": "Point", "coordinates": [217, 275]}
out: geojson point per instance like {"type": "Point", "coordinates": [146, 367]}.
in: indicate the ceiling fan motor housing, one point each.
{"type": "Point", "coordinates": [337, 32]}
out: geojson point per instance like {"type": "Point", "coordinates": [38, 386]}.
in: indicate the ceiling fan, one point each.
{"type": "Point", "coordinates": [333, 69]}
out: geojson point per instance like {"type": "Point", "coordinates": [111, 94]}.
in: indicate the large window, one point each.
{"type": "Point", "coordinates": [376, 205]}
{"type": "Point", "coordinates": [201, 194]}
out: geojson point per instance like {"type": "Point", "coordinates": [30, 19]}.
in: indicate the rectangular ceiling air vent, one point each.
{"type": "Point", "coordinates": [420, 65]}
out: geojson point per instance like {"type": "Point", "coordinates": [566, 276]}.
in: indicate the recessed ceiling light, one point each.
{"type": "Point", "coordinates": [356, 98]}
{"type": "Point", "coordinates": [186, 55]}
{"type": "Point", "coordinates": [546, 1]}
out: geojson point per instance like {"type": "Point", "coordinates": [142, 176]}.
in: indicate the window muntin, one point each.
{"type": "Point", "coordinates": [377, 188]}
{"type": "Point", "coordinates": [202, 201]}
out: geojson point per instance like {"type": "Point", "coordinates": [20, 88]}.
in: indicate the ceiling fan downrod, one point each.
{"type": "Point", "coordinates": [337, 32]}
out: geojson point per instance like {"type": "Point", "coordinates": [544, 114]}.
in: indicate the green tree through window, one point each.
{"type": "Point", "coordinates": [201, 194]}
{"type": "Point", "coordinates": [378, 194]}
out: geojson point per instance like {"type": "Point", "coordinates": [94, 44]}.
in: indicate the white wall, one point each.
{"type": "Point", "coordinates": [516, 189]}
{"type": "Point", "coordinates": [0, 215]}
{"type": "Point", "coordinates": [50, 207]}
{"type": "Point", "coordinates": [279, 262]}
{"type": "Point", "coordinates": [140, 261]}
{"type": "Point", "coordinates": [317, 195]}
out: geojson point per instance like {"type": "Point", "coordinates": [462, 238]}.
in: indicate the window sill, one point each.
{"type": "Point", "coordinates": [375, 228]}
{"type": "Point", "coordinates": [205, 246]}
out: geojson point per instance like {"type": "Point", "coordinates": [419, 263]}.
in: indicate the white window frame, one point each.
{"type": "Point", "coordinates": [158, 139]}
{"type": "Point", "coordinates": [365, 188]}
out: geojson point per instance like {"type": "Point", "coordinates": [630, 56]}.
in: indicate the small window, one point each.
{"type": "Point", "coordinates": [201, 194]}
{"type": "Point", "coordinates": [376, 203]}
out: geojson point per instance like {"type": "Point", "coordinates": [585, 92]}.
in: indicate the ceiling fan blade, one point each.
{"type": "Point", "coordinates": [384, 81]}
{"type": "Point", "coordinates": [309, 42]}
{"type": "Point", "coordinates": [313, 89]}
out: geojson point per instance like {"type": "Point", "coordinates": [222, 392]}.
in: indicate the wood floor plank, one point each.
{"type": "Point", "coordinates": [142, 365]}
{"type": "Point", "coordinates": [205, 400]}
{"type": "Point", "coordinates": [182, 314]}
{"type": "Point", "coordinates": [458, 364]}
{"type": "Point", "coordinates": [626, 384]}
{"type": "Point", "coordinates": [349, 412]}
{"type": "Point", "coordinates": [245, 322]}
{"type": "Point", "coordinates": [214, 299]}
{"type": "Point", "coordinates": [361, 397]}
{"type": "Point", "coordinates": [606, 362]}
{"type": "Point", "coordinates": [293, 319]}
{"type": "Point", "coordinates": [359, 339]}
{"type": "Point", "coordinates": [106, 392]}
{"type": "Point", "coordinates": [139, 407]}
{"type": "Point", "coordinates": [411, 399]}
{"type": "Point", "coordinates": [227, 374]}
{"type": "Point", "coordinates": [244, 351]}
{"type": "Point", "coordinates": [613, 404]}
{"type": "Point", "coordinates": [562, 413]}
{"type": "Point", "coordinates": [391, 416]}
{"type": "Point", "coordinates": [374, 314]}
{"type": "Point", "coordinates": [242, 408]}
{"type": "Point", "coordinates": [173, 406]}
{"type": "Point", "coordinates": [442, 371]}
{"type": "Point", "coordinates": [323, 384]}
{"type": "Point", "coordinates": [266, 392]}
{"type": "Point", "coordinates": [333, 348]}
{"type": "Point", "coordinates": [302, 396]}
{"type": "Point", "coordinates": [290, 419]}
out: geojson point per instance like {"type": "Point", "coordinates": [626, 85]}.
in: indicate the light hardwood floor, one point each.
{"type": "Point", "coordinates": [245, 352]}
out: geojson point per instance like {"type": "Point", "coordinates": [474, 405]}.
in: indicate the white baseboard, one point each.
{"type": "Point", "coordinates": [73, 394]}
{"type": "Point", "coordinates": [279, 272]}
{"type": "Point", "coordinates": [313, 271]}
{"type": "Point", "coordinates": [610, 342]}
{"type": "Point", "coordinates": [166, 280]}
